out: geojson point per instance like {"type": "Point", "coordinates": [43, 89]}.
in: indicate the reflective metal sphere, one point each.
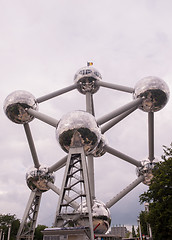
{"type": "Point", "coordinates": [76, 129]}
{"type": "Point", "coordinates": [146, 170]}
{"type": "Point", "coordinates": [86, 79]}
{"type": "Point", "coordinates": [101, 216]}
{"type": "Point", "coordinates": [15, 106]}
{"type": "Point", "coordinates": [99, 151]}
{"type": "Point", "coordinates": [37, 178]}
{"type": "Point", "coordinates": [154, 91]}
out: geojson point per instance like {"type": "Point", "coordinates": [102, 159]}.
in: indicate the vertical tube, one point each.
{"type": "Point", "coordinates": [90, 109]}
{"type": "Point", "coordinates": [0, 234]}
{"type": "Point", "coordinates": [9, 231]}
{"type": "Point", "coordinates": [89, 103]}
{"type": "Point", "coordinates": [151, 135]}
{"type": "Point", "coordinates": [91, 175]}
{"type": "Point", "coordinates": [140, 231]}
{"type": "Point", "coordinates": [88, 195]}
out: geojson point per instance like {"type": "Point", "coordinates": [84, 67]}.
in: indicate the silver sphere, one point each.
{"type": "Point", "coordinates": [146, 170]}
{"type": "Point", "coordinates": [15, 106]}
{"type": "Point", "coordinates": [101, 216]}
{"type": "Point", "coordinates": [86, 79]}
{"type": "Point", "coordinates": [78, 129]}
{"type": "Point", "coordinates": [154, 91]}
{"type": "Point", "coordinates": [99, 151]}
{"type": "Point", "coordinates": [38, 178]}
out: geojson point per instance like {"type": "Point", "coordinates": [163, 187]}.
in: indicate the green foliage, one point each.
{"type": "Point", "coordinates": [128, 234]}
{"type": "Point", "coordinates": [143, 222]}
{"type": "Point", "coordinates": [38, 234]}
{"type": "Point", "coordinates": [133, 231]}
{"type": "Point", "coordinates": [5, 220]}
{"type": "Point", "coordinates": [159, 196]}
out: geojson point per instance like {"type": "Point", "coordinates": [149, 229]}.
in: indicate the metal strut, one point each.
{"type": "Point", "coordinates": [76, 185]}
{"type": "Point", "coordinates": [27, 226]}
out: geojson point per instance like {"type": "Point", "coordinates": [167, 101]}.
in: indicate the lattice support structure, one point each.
{"type": "Point", "coordinates": [76, 185]}
{"type": "Point", "coordinates": [28, 224]}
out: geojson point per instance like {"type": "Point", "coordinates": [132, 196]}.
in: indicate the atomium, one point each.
{"type": "Point", "coordinates": [82, 136]}
{"type": "Point", "coordinates": [101, 216]}
{"type": "Point", "coordinates": [15, 106]}
{"type": "Point", "coordinates": [154, 91]}
{"type": "Point", "coordinates": [37, 178]}
{"type": "Point", "coordinates": [78, 128]}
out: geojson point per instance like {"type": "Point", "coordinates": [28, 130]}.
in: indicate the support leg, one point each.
{"type": "Point", "coordinates": [28, 224]}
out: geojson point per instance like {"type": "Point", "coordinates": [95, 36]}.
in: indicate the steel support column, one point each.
{"type": "Point", "coordinates": [28, 223]}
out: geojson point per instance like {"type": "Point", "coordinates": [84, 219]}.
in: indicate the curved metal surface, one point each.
{"type": "Point", "coordinates": [15, 106]}
{"type": "Point", "coordinates": [37, 178]}
{"type": "Point", "coordinates": [86, 79]}
{"type": "Point", "coordinates": [154, 91]}
{"type": "Point", "coordinates": [78, 129]}
{"type": "Point", "coordinates": [100, 214]}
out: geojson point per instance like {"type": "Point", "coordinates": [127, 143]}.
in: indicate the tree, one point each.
{"type": "Point", "coordinates": [38, 234]}
{"type": "Point", "coordinates": [133, 231]}
{"type": "Point", "coordinates": [159, 197]}
{"type": "Point", "coordinates": [143, 222]}
{"type": "Point", "coordinates": [5, 221]}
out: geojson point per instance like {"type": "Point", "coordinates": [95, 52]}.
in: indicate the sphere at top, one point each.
{"type": "Point", "coordinates": [86, 79]}
{"type": "Point", "coordinates": [15, 106]}
{"type": "Point", "coordinates": [101, 216]}
{"type": "Point", "coordinates": [78, 129]}
{"type": "Point", "coordinates": [146, 170]}
{"type": "Point", "coordinates": [38, 178]}
{"type": "Point", "coordinates": [154, 91]}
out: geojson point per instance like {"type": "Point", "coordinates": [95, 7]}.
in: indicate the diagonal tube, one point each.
{"type": "Point", "coordinates": [115, 113]}
{"type": "Point", "coordinates": [61, 163]}
{"type": "Point", "coordinates": [73, 204]}
{"type": "Point", "coordinates": [31, 145]}
{"type": "Point", "coordinates": [114, 121]}
{"type": "Point", "coordinates": [151, 135]}
{"type": "Point", "coordinates": [124, 192]}
{"type": "Point", "coordinates": [57, 93]}
{"type": "Point", "coordinates": [45, 118]}
{"type": "Point", "coordinates": [115, 86]}
{"type": "Point", "coordinates": [122, 156]}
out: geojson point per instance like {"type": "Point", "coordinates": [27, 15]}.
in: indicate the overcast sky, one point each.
{"type": "Point", "coordinates": [42, 44]}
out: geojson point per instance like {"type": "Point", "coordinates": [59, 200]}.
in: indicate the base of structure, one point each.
{"type": "Point", "coordinates": [66, 233]}
{"type": "Point", "coordinates": [73, 233]}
